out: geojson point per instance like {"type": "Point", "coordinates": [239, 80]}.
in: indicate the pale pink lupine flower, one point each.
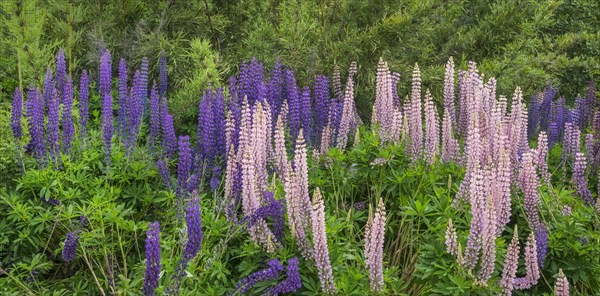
{"type": "Point", "coordinates": [348, 117]}
{"type": "Point", "coordinates": [230, 173]}
{"type": "Point", "coordinates": [284, 112]}
{"type": "Point", "coordinates": [529, 183]}
{"type": "Point", "coordinates": [472, 156]}
{"type": "Point", "coordinates": [260, 144]}
{"type": "Point", "coordinates": [450, 146]}
{"type": "Point", "coordinates": [463, 112]}
{"type": "Point", "coordinates": [432, 130]}
{"type": "Point", "coordinates": [374, 241]}
{"type": "Point", "coordinates": [541, 155]}
{"type": "Point", "coordinates": [280, 152]}
{"type": "Point", "coordinates": [416, 117]}
{"type": "Point", "coordinates": [321, 252]}
{"type": "Point", "coordinates": [488, 258]}
{"type": "Point", "coordinates": [397, 129]}
{"type": "Point", "coordinates": [298, 200]}
{"type": "Point", "coordinates": [477, 201]}
{"type": "Point", "coordinates": [561, 288]}
{"type": "Point", "coordinates": [504, 177]}
{"type": "Point", "coordinates": [384, 102]}
{"type": "Point", "coordinates": [511, 263]}
{"type": "Point", "coordinates": [449, 90]}
{"type": "Point", "coordinates": [451, 239]}
{"type": "Point", "coordinates": [531, 266]}
{"type": "Point", "coordinates": [589, 146]}
{"type": "Point", "coordinates": [229, 128]}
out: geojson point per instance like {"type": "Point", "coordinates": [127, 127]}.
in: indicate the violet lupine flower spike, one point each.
{"type": "Point", "coordinates": [35, 112]}
{"type": "Point", "coordinates": [67, 116]}
{"type": "Point", "coordinates": [291, 283]}
{"type": "Point", "coordinates": [270, 273]}
{"type": "Point", "coordinates": [53, 122]}
{"type": "Point", "coordinates": [154, 117]}
{"type": "Point", "coordinates": [48, 86]}
{"type": "Point", "coordinates": [579, 178]}
{"type": "Point", "coordinates": [83, 105]}
{"type": "Point", "coordinates": [194, 233]}
{"type": "Point", "coordinates": [122, 100]}
{"type": "Point", "coordinates": [152, 258]}
{"type": "Point", "coordinates": [134, 113]}
{"type": "Point", "coordinates": [16, 114]}
{"type": "Point", "coordinates": [184, 166]}
{"type": "Point", "coordinates": [321, 253]}
{"type": "Point", "coordinates": [162, 70]}
{"type": "Point", "coordinates": [143, 87]}
{"type": "Point", "coordinates": [374, 241]}
{"type": "Point", "coordinates": [105, 78]}
{"type": "Point", "coordinates": [61, 73]}
{"type": "Point", "coordinates": [164, 174]}
{"type": "Point", "coordinates": [70, 246]}
{"type": "Point", "coordinates": [561, 288]}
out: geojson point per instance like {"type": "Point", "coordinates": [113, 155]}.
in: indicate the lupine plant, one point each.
{"type": "Point", "coordinates": [488, 196]}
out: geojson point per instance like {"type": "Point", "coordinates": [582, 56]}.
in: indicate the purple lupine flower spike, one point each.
{"type": "Point", "coordinates": [194, 228]}
{"type": "Point", "coordinates": [270, 273]}
{"type": "Point", "coordinates": [48, 86]}
{"type": "Point", "coordinates": [152, 258]}
{"type": "Point", "coordinates": [185, 165]}
{"type": "Point", "coordinates": [122, 100]}
{"type": "Point", "coordinates": [67, 116]}
{"type": "Point", "coordinates": [105, 77]}
{"type": "Point", "coordinates": [164, 174]}
{"type": "Point", "coordinates": [162, 70]}
{"type": "Point", "coordinates": [154, 117]}
{"type": "Point", "coordinates": [61, 73]}
{"type": "Point", "coordinates": [291, 283]}
{"type": "Point", "coordinates": [53, 122]}
{"type": "Point", "coordinates": [70, 246]}
{"type": "Point", "coordinates": [83, 103]}
{"type": "Point", "coordinates": [143, 86]}
{"type": "Point", "coordinates": [16, 114]}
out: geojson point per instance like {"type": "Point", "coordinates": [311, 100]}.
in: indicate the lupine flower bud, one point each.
{"type": "Point", "coordinates": [67, 116]}
{"type": "Point", "coordinates": [321, 253]}
{"type": "Point", "coordinates": [70, 247]}
{"type": "Point", "coordinates": [374, 241]}
{"type": "Point", "coordinates": [152, 258]}
{"type": "Point", "coordinates": [122, 100]}
{"type": "Point", "coordinates": [83, 103]}
{"type": "Point", "coordinates": [17, 112]}
{"type": "Point", "coordinates": [169, 140]}
{"type": "Point", "coordinates": [162, 70]}
{"type": "Point", "coordinates": [143, 86]}
{"type": "Point", "coordinates": [451, 239]}
{"type": "Point", "coordinates": [154, 116]}
{"type": "Point", "coordinates": [61, 73]}
{"type": "Point", "coordinates": [561, 287]}
{"type": "Point", "coordinates": [184, 166]}
{"type": "Point", "coordinates": [48, 86]}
